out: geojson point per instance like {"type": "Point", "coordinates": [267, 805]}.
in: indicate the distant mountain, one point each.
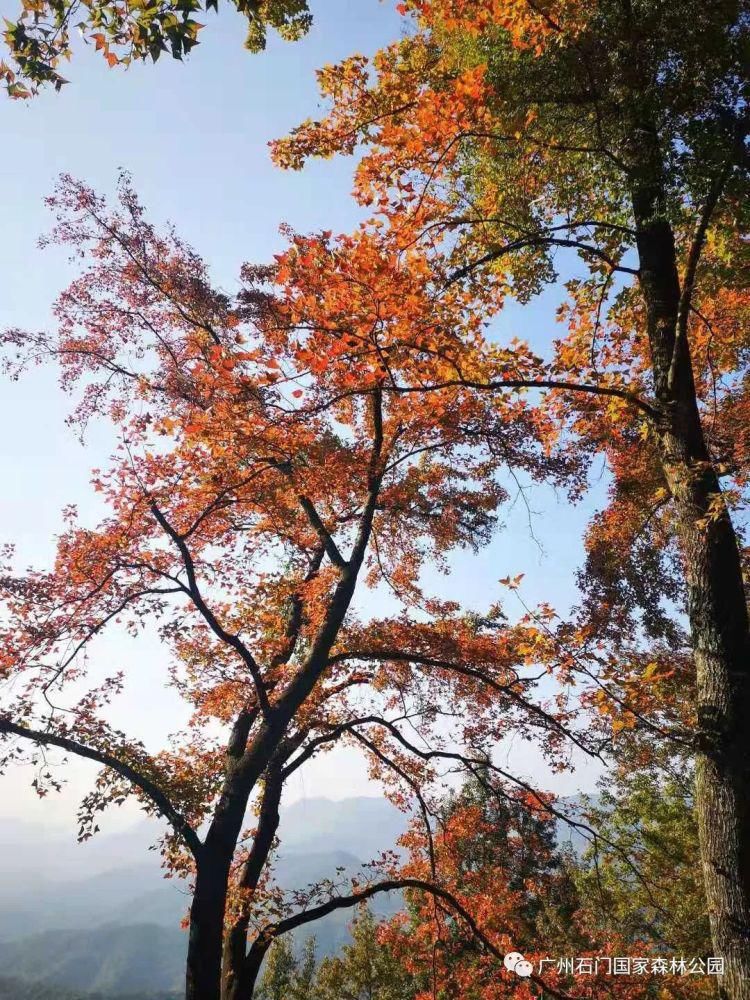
{"type": "Point", "coordinates": [97, 921]}
{"type": "Point", "coordinates": [47, 882]}
{"type": "Point", "coordinates": [121, 918]}
{"type": "Point", "coordinates": [111, 959]}
{"type": "Point", "coordinates": [45, 904]}
{"type": "Point", "coordinates": [362, 826]}
{"type": "Point", "coordinates": [15, 989]}
{"type": "Point", "coordinates": [29, 851]}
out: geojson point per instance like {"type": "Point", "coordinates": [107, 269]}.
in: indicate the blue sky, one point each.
{"type": "Point", "coordinates": [194, 136]}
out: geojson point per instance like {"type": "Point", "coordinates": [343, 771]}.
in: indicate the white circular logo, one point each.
{"type": "Point", "coordinates": [515, 962]}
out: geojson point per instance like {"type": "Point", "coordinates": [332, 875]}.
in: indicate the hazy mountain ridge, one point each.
{"type": "Point", "coordinates": [122, 934]}
{"type": "Point", "coordinates": [16, 989]}
{"type": "Point", "coordinates": [143, 957]}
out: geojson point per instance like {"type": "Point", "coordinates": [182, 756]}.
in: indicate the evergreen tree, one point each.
{"type": "Point", "coordinates": [279, 972]}
{"type": "Point", "coordinates": [365, 970]}
{"type": "Point", "coordinates": [304, 977]}
{"type": "Point", "coordinates": [643, 877]}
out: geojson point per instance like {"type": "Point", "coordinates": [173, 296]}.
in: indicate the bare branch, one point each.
{"type": "Point", "coordinates": [193, 590]}
{"type": "Point", "coordinates": [323, 533]}
{"type": "Point", "coordinates": [536, 241]}
{"type": "Point", "coordinates": [473, 672]}
{"type": "Point", "coordinates": [127, 771]}
{"type": "Point", "coordinates": [261, 945]}
{"type": "Point", "coordinates": [525, 383]}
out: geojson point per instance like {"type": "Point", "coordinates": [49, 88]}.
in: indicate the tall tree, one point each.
{"type": "Point", "coordinates": [268, 468]}
{"type": "Point", "coordinates": [288, 975]}
{"type": "Point", "coordinates": [304, 980]}
{"type": "Point", "coordinates": [615, 131]}
{"type": "Point", "coordinates": [642, 876]}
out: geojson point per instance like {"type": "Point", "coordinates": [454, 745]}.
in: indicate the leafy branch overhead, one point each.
{"type": "Point", "coordinates": [40, 39]}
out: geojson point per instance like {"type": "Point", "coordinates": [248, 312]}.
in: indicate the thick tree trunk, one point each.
{"type": "Point", "coordinates": [717, 605]}
{"type": "Point", "coordinates": [250, 970]}
{"type": "Point", "coordinates": [203, 975]}
{"type": "Point", "coordinates": [235, 952]}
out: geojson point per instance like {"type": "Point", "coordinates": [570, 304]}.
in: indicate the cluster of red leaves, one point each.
{"type": "Point", "coordinates": [494, 182]}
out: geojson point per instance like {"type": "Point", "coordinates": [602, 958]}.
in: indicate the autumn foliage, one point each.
{"type": "Point", "coordinates": [465, 144]}
{"type": "Point", "coordinates": [276, 452]}
{"type": "Point", "coordinates": [346, 419]}
{"type": "Point", "coordinates": [605, 147]}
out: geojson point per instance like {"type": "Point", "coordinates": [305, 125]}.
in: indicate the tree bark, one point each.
{"type": "Point", "coordinates": [203, 972]}
{"type": "Point", "coordinates": [203, 975]}
{"type": "Point", "coordinates": [717, 604]}
{"type": "Point", "coordinates": [235, 985]}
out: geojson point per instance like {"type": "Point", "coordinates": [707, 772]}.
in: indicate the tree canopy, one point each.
{"type": "Point", "coordinates": [350, 417]}
{"type": "Point", "coordinates": [615, 133]}
{"type": "Point", "coordinates": [274, 458]}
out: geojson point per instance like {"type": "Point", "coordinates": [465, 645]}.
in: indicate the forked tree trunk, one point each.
{"type": "Point", "coordinates": [717, 605]}
{"type": "Point", "coordinates": [203, 971]}
{"type": "Point", "coordinates": [238, 973]}
{"type": "Point", "coordinates": [233, 986]}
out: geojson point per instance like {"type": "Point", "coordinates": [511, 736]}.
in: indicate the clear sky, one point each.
{"type": "Point", "coordinates": [194, 136]}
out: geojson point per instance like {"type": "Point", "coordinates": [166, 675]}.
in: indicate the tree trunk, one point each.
{"type": "Point", "coordinates": [204, 961]}
{"type": "Point", "coordinates": [203, 976]}
{"type": "Point", "coordinates": [250, 970]}
{"type": "Point", "coordinates": [235, 953]}
{"type": "Point", "coordinates": [717, 606]}
{"type": "Point", "coordinates": [237, 979]}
